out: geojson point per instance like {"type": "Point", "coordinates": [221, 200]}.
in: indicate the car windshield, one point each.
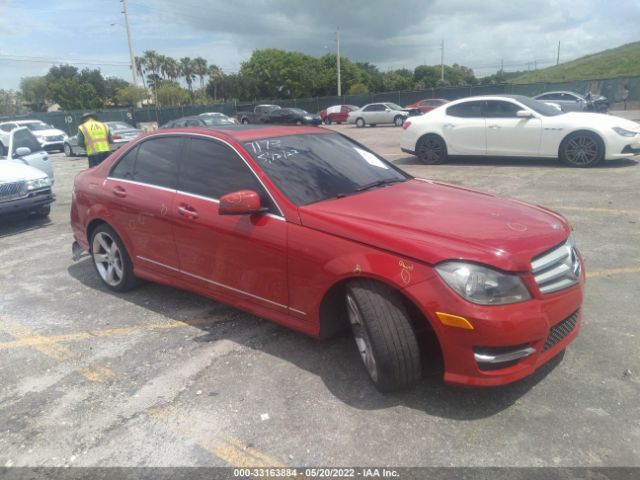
{"type": "Point", "coordinates": [299, 111]}
{"type": "Point", "coordinates": [315, 167]}
{"type": "Point", "coordinates": [120, 126]}
{"type": "Point", "coordinates": [215, 120]}
{"type": "Point", "coordinates": [394, 106]}
{"type": "Point", "coordinates": [36, 126]}
{"type": "Point", "coordinates": [540, 107]}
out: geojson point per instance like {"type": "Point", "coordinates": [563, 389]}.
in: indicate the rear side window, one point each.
{"type": "Point", "coordinates": [157, 162]}
{"type": "Point", "coordinates": [466, 110]}
{"type": "Point", "coordinates": [212, 169]}
{"type": "Point", "coordinates": [125, 166]}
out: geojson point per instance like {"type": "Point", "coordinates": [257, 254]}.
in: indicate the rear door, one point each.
{"type": "Point", "coordinates": [464, 127]}
{"type": "Point", "coordinates": [242, 256]}
{"type": "Point", "coordinates": [141, 188]}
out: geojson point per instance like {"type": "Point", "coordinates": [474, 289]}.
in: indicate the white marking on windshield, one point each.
{"type": "Point", "coordinates": [371, 159]}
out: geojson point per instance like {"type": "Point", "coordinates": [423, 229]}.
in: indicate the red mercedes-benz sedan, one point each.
{"type": "Point", "coordinates": [309, 229]}
{"type": "Point", "coordinates": [427, 104]}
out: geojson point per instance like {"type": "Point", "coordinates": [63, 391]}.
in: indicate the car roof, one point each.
{"type": "Point", "coordinates": [243, 133]}
{"type": "Point", "coordinates": [559, 91]}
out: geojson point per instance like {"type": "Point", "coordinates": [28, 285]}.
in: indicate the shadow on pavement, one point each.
{"type": "Point", "coordinates": [515, 162]}
{"type": "Point", "coordinates": [335, 361]}
{"type": "Point", "coordinates": [13, 224]}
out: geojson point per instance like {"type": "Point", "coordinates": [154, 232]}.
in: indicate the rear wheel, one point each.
{"type": "Point", "coordinates": [360, 122]}
{"type": "Point", "coordinates": [245, 121]}
{"type": "Point", "coordinates": [431, 150]}
{"type": "Point", "coordinates": [68, 151]}
{"type": "Point", "coordinates": [582, 150]}
{"type": "Point", "coordinates": [383, 334]}
{"type": "Point", "coordinates": [398, 121]}
{"type": "Point", "coordinates": [327, 121]}
{"type": "Point", "coordinates": [298, 122]}
{"type": "Point", "coordinates": [111, 260]}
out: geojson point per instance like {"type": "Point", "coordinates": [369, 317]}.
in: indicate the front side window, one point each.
{"type": "Point", "coordinates": [24, 138]}
{"type": "Point", "coordinates": [315, 167]}
{"type": "Point", "coordinates": [212, 169]}
{"type": "Point", "coordinates": [500, 109]}
{"type": "Point", "coordinates": [373, 108]}
{"type": "Point", "coordinates": [157, 161]}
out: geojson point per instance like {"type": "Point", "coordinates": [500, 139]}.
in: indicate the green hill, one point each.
{"type": "Point", "coordinates": [617, 62]}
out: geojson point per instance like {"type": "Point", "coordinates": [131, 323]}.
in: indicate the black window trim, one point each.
{"type": "Point", "coordinates": [279, 214]}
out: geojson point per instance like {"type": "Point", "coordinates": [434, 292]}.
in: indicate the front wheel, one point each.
{"type": "Point", "coordinates": [245, 121]}
{"type": "Point", "coordinates": [68, 152]}
{"type": "Point", "coordinates": [327, 121]}
{"type": "Point", "coordinates": [582, 150]}
{"type": "Point", "coordinates": [383, 334]}
{"type": "Point", "coordinates": [431, 150]}
{"type": "Point", "coordinates": [43, 212]}
{"type": "Point", "coordinates": [360, 122]}
{"type": "Point", "coordinates": [111, 260]}
{"type": "Point", "coordinates": [398, 121]}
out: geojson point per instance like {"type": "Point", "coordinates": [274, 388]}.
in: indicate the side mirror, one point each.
{"type": "Point", "coordinates": [242, 202]}
{"type": "Point", "coordinates": [22, 151]}
{"type": "Point", "coordinates": [524, 114]}
{"type": "Point", "coordinates": [387, 109]}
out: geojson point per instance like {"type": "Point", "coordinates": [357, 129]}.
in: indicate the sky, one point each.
{"type": "Point", "coordinates": [522, 34]}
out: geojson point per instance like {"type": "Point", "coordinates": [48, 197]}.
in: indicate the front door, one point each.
{"type": "Point", "coordinates": [508, 134]}
{"type": "Point", "coordinates": [242, 256]}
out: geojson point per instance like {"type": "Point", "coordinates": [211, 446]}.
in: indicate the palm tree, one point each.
{"type": "Point", "coordinates": [200, 69]}
{"type": "Point", "coordinates": [215, 76]}
{"type": "Point", "coordinates": [187, 70]}
{"type": "Point", "coordinates": [152, 61]}
{"type": "Point", "coordinates": [140, 67]}
{"type": "Point", "coordinates": [171, 68]}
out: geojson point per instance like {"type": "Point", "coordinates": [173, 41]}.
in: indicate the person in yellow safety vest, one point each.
{"type": "Point", "coordinates": [95, 137]}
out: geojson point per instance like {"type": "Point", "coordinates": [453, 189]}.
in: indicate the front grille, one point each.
{"type": "Point", "coordinates": [556, 269]}
{"type": "Point", "coordinates": [13, 190]}
{"type": "Point", "coordinates": [561, 330]}
{"type": "Point", "coordinates": [54, 138]}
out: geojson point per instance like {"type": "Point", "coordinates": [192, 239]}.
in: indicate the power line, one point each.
{"type": "Point", "coordinates": [29, 59]}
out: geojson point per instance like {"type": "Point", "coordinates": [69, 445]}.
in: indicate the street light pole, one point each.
{"type": "Point", "coordinates": [338, 60]}
{"type": "Point", "coordinates": [442, 61]}
{"type": "Point", "coordinates": [134, 67]}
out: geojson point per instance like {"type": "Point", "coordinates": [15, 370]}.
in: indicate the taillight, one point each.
{"type": "Point", "coordinates": [406, 124]}
{"type": "Point", "coordinates": [116, 137]}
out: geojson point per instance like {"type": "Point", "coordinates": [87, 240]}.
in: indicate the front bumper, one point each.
{"type": "Point", "coordinates": [34, 201]}
{"type": "Point", "coordinates": [49, 146]}
{"type": "Point", "coordinates": [520, 337]}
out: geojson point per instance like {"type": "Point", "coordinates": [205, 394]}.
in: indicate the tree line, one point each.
{"type": "Point", "coordinates": [268, 74]}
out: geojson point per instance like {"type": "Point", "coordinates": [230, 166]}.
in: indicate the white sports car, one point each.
{"type": "Point", "coordinates": [518, 126]}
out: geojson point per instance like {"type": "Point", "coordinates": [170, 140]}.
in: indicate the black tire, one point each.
{"type": "Point", "coordinates": [431, 149]}
{"type": "Point", "coordinates": [68, 151]}
{"type": "Point", "coordinates": [127, 280]}
{"type": "Point", "coordinates": [298, 122]}
{"type": "Point", "coordinates": [382, 328]}
{"type": "Point", "coordinates": [3, 150]}
{"type": "Point", "coordinates": [581, 150]}
{"type": "Point", "coordinates": [398, 121]}
{"type": "Point", "coordinates": [360, 123]}
{"type": "Point", "coordinates": [42, 212]}
{"type": "Point", "coordinates": [244, 121]}
{"type": "Point", "coordinates": [327, 121]}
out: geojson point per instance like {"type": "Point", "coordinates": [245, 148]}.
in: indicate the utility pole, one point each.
{"type": "Point", "coordinates": [338, 60]}
{"type": "Point", "coordinates": [558, 58]}
{"type": "Point", "coordinates": [134, 68]}
{"type": "Point", "coordinates": [442, 61]}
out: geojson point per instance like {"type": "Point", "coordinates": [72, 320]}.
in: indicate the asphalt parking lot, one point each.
{"type": "Point", "coordinates": [160, 377]}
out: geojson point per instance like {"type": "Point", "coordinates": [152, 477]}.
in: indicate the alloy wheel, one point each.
{"type": "Point", "coordinates": [431, 150]}
{"type": "Point", "coordinates": [361, 337]}
{"type": "Point", "coordinates": [582, 150]}
{"type": "Point", "coordinates": [108, 259]}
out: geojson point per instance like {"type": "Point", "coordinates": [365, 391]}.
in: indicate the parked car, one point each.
{"type": "Point", "coordinates": [307, 228]}
{"type": "Point", "coordinates": [199, 121]}
{"type": "Point", "coordinates": [296, 116]}
{"type": "Point", "coordinates": [258, 115]}
{"type": "Point", "coordinates": [25, 148]}
{"type": "Point", "coordinates": [336, 113]}
{"type": "Point", "coordinates": [24, 188]}
{"type": "Point", "coordinates": [378, 113]}
{"type": "Point", "coordinates": [426, 105]}
{"type": "Point", "coordinates": [121, 133]}
{"type": "Point", "coordinates": [574, 102]}
{"type": "Point", "coordinates": [518, 126]}
{"type": "Point", "coordinates": [217, 118]}
{"type": "Point", "coordinates": [48, 137]}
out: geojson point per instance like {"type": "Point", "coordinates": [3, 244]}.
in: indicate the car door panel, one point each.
{"type": "Point", "coordinates": [508, 134]}
{"type": "Point", "coordinates": [464, 129]}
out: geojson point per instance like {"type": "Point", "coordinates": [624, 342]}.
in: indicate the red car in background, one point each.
{"type": "Point", "coordinates": [427, 104]}
{"type": "Point", "coordinates": [336, 114]}
{"type": "Point", "coordinates": [312, 230]}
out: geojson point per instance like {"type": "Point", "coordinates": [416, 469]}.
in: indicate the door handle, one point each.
{"type": "Point", "coordinates": [187, 211]}
{"type": "Point", "coordinates": [447, 125]}
{"type": "Point", "coordinates": [118, 191]}
{"type": "Point", "coordinates": [494, 126]}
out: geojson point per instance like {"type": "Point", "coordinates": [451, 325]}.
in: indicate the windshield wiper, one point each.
{"type": "Point", "coordinates": [380, 183]}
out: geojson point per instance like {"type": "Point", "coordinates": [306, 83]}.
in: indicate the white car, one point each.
{"type": "Point", "coordinates": [376, 113]}
{"type": "Point", "coordinates": [517, 126]}
{"type": "Point", "coordinates": [48, 137]}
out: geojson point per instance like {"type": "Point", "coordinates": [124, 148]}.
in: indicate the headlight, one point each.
{"type": "Point", "coordinates": [483, 285]}
{"type": "Point", "coordinates": [38, 183]}
{"type": "Point", "coordinates": [624, 132]}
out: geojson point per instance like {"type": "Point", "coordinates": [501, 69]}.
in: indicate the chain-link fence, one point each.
{"type": "Point", "coordinates": [613, 89]}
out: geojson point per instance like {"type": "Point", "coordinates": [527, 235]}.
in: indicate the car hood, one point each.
{"type": "Point", "coordinates": [16, 170]}
{"type": "Point", "coordinates": [432, 222]}
{"type": "Point", "coordinates": [601, 120]}
{"type": "Point", "coordinates": [48, 133]}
